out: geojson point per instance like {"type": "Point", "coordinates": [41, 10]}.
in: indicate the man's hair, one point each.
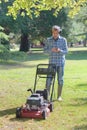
{"type": "Point", "coordinates": [56, 28]}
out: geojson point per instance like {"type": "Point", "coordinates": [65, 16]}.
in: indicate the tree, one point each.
{"type": "Point", "coordinates": [36, 29]}
{"type": "Point", "coordinates": [42, 8]}
{"type": "Point", "coordinates": [34, 7]}
{"type": "Point", "coordinates": [82, 17]}
{"type": "Point", "coordinates": [32, 28]}
{"type": "Point", "coordinates": [49, 20]}
{"type": "Point", "coordinates": [7, 22]}
{"type": "Point", "coordinates": [22, 25]}
{"type": "Point", "coordinates": [78, 26]}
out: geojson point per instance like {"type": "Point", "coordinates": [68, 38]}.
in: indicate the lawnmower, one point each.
{"type": "Point", "coordinates": [39, 104]}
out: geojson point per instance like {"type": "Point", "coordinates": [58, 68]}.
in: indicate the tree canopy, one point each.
{"type": "Point", "coordinates": [78, 26]}
{"type": "Point", "coordinates": [73, 29]}
{"type": "Point", "coordinates": [33, 7]}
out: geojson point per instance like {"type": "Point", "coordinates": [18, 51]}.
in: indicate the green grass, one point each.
{"type": "Point", "coordinates": [18, 74]}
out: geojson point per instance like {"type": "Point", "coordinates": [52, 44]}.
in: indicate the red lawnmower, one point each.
{"type": "Point", "coordinates": [38, 105]}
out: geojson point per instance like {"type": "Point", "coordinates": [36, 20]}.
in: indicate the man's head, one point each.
{"type": "Point", "coordinates": [55, 31]}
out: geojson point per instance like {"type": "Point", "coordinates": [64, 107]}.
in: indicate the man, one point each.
{"type": "Point", "coordinates": [56, 46]}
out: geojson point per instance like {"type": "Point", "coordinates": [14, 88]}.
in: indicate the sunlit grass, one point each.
{"type": "Point", "coordinates": [18, 74]}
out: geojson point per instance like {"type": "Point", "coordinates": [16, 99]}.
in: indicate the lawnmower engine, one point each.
{"type": "Point", "coordinates": [35, 101]}
{"type": "Point", "coordinates": [36, 106]}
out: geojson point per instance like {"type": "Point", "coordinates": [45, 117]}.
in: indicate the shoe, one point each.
{"type": "Point", "coordinates": [60, 99]}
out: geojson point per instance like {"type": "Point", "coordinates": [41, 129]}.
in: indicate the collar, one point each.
{"type": "Point", "coordinates": [56, 39]}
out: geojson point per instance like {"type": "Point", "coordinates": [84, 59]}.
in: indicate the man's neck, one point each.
{"type": "Point", "coordinates": [56, 38]}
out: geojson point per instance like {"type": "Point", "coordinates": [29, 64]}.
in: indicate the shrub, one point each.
{"type": "Point", "coordinates": [19, 56]}
{"type": "Point", "coordinates": [4, 53]}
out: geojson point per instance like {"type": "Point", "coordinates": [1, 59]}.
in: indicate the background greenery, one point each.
{"type": "Point", "coordinates": [24, 31]}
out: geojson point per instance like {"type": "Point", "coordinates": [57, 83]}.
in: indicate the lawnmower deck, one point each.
{"type": "Point", "coordinates": [33, 114]}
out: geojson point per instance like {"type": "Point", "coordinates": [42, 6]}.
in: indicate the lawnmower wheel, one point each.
{"type": "Point", "coordinates": [44, 115]}
{"type": "Point", "coordinates": [51, 107]}
{"type": "Point", "coordinates": [18, 112]}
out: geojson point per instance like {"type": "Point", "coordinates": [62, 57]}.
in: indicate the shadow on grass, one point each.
{"type": "Point", "coordinates": [24, 119]}
{"type": "Point", "coordinates": [79, 102]}
{"type": "Point", "coordinates": [82, 85]}
{"type": "Point", "coordinates": [82, 127]}
{"type": "Point", "coordinates": [12, 111]}
{"type": "Point", "coordinates": [7, 112]}
{"type": "Point", "coordinates": [35, 56]}
{"type": "Point", "coordinates": [18, 60]}
{"type": "Point", "coordinates": [13, 65]}
{"type": "Point", "coordinates": [77, 55]}
{"type": "Point", "coordinates": [19, 119]}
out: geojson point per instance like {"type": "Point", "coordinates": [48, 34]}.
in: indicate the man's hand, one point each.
{"type": "Point", "coordinates": [55, 49]}
{"type": "Point", "coordinates": [58, 50]}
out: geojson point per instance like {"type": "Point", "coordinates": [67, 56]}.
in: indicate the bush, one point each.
{"type": "Point", "coordinates": [19, 56]}
{"type": "Point", "coordinates": [4, 53]}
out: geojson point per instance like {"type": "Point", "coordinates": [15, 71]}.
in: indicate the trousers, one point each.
{"type": "Point", "coordinates": [60, 77]}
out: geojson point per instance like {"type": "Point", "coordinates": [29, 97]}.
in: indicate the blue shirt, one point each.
{"type": "Point", "coordinates": [57, 58]}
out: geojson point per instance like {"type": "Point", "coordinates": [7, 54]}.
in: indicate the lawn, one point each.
{"type": "Point", "coordinates": [18, 74]}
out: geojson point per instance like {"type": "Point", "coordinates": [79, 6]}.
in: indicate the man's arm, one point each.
{"type": "Point", "coordinates": [64, 49]}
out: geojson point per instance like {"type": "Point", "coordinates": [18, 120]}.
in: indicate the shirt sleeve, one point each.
{"type": "Point", "coordinates": [64, 49]}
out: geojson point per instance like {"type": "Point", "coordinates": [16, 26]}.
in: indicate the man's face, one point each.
{"type": "Point", "coordinates": [55, 34]}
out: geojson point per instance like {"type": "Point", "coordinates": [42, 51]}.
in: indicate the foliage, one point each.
{"type": "Point", "coordinates": [78, 26]}
{"type": "Point", "coordinates": [2, 34]}
{"type": "Point", "coordinates": [7, 22]}
{"type": "Point", "coordinates": [4, 38]}
{"type": "Point", "coordinates": [34, 28]}
{"type": "Point", "coordinates": [76, 29]}
{"type": "Point", "coordinates": [1, 28]}
{"type": "Point", "coordinates": [4, 53]}
{"type": "Point", "coordinates": [47, 17]}
{"type": "Point", "coordinates": [18, 56]}
{"type": "Point", "coordinates": [35, 6]}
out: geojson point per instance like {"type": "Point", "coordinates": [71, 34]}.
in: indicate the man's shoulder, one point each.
{"type": "Point", "coordinates": [61, 37]}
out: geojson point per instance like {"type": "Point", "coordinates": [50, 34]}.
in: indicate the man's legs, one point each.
{"type": "Point", "coordinates": [48, 83]}
{"type": "Point", "coordinates": [60, 74]}
{"type": "Point", "coordinates": [49, 79]}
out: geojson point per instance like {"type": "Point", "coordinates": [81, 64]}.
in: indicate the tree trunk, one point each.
{"type": "Point", "coordinates": [84, 43]}
{"type": "Point", "coordinates": [24, 42]}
